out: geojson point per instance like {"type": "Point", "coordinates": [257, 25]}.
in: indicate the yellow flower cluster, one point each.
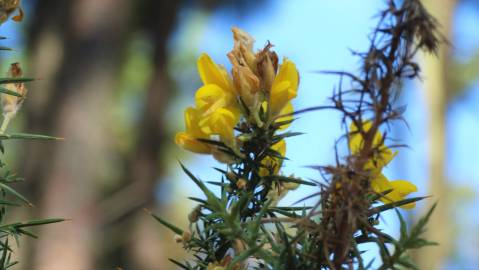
{"type": "Point", "coordinates": [399, 189]}
{"type": "Point", "coordinates": [257, 83]}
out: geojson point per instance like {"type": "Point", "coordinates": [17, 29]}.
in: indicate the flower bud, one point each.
{"type": "Point", "coordinates": [178, 239]}
{"type": "Point", "coordinates": [11, 104]}
{"type": "Point", "coordinates": [186, 237]}
{"type": "Point", "coordinates": [241, 183]}
{"type": "Point", "coordinates": [231, 176]}
{"type": "Point", "coordinates": [267, 67]}
{"type": "Point", "coordinates": [247, 85]}
{"type": "Point", "coordinates": [243, 48]}
{"type": "Point", "coordinates": [195, 214]}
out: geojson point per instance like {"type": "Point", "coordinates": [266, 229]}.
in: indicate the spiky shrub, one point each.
{"type": "Point", "coordinates": [242, 121]}
{"type": "Point", "coordinates": [12, 94]}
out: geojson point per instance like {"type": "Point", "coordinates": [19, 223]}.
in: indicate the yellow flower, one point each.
{"type": "Point", "coordinates": [221, 122]}
{"type": "Point", "coordinates": [382, 156]}
{"type": "Point", "coordinates": [288, 109]}
{"type": "Point", "coordinates": [216, 111]}
{"type": "Point", "coordinates": [279, 190]}
{"type": "Point", "coordinates": [271, 165]}
{"type": "Point", "coordinates": [211, 73]}
{"type": "Point", "coordinates": [217, 100]}
{"type": "Point", "coordinates": [188, 140]}
{"type": "Point", "coordinates": [284, 88]}
{"type": "Point", "coordinates": [211, 97]}
{"type": "Point", "coordinates": [217, 108]}
{"type": "Point", "coordinates": [399, 189]}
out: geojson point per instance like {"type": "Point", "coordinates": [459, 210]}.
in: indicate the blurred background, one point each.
{"type": "Point", "coordinates": [114, 77]}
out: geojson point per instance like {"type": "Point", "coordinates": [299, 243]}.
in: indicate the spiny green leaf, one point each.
{"type": "Point", "coordinates": [26, 136]}
{"type": "Point", "coordinates": [419, 228]}
{"type": "Point", "coordinates": [26, 232]}
{"type": "Point", "coordinates": [15, 80]}
{"type": "Point", "coordinates": [40, 222]}
{"type": "Point", "coordinates": [279, 137]}
{"type": "Point", "coordinates": [289, 179]}
{"type": "Point", "coordinates": [167, 224]}
{"type": "Point", "coordinates": [402, 226]}
{"type": "Point", "coordinates": [278, 124]}
{"type": "Point", "coordinates": [284, 213]}
{"type": "Point", "coordinates": [406, 262]}
{"type": "Point", "coordinates": [178, 264]}
{"type": "Point", "coordinates": [4, 202]}
{"type": "Point", "coordinates": [197, 200]}
{"type": "Point", "coordinates": [242, 256]}
{"type": "Point", "coordinates": [9, 92]}
{"type": "Point", "coordinates": [291, 208]}
{"type": "Point", "coordinates": [211, 198]}
{"type": "Point", "coordinates": [14, 193]}
{"type": "Point", "coordinates": [220, 184]}
{"type": "Point", "coordinates": [393, 205]}
{"type": "Point", "coordinates": [419, 243]}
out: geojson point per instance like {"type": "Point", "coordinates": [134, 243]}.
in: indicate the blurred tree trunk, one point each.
{"type": "Point", "coordinates": [435, 92]}
{"type": "Point", "coordinates": [143, 245]}
{"type": "Point", "coordinates": [76, 49]}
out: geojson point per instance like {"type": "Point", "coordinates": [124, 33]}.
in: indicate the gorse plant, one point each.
{"type": "Point", "coordinates": [241, 119]}
{"type": "Point", "coordinates": [12, 94]}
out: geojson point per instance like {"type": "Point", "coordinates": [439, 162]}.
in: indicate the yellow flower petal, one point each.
{"type": "Point", "coordinates": [284, 88]}
{"type": "Point", "coordinates": [211, 97]}
{"type": "Point", "coordinates": [288, 72]}
{"type": "Point", "coordinates": [211, 73]}
{"type": "Point", "coordinates": [271, 162]}
{"type": "Point", "coordinates": [404, 188]}
{"type": "Point", "coordinates": [221, 122]}
{"type": "Point", "coordinates": [399, 190]}
{"type": "Point", "coordinates": [286, 110]}
{"type": "Point", "coordinates": [383, 154]}
{"type": "Point", "coordinates": [280, 95]}
{"type": "Point", "coordinates": [192, 118]}
{"type": "Point", "coordinates": [190, 143]}
{"type": "Point", "coordinates": [380, 184]}
{"type": "Point", "coordinates": [188, 140]}
{"type": "Point", "coordinates": [356, 139]}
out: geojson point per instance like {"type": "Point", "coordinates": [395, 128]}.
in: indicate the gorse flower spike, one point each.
{"type": "Point", "coordinates": [257, 92]}
{"type": "Point", "coordinates": [238, 118]}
